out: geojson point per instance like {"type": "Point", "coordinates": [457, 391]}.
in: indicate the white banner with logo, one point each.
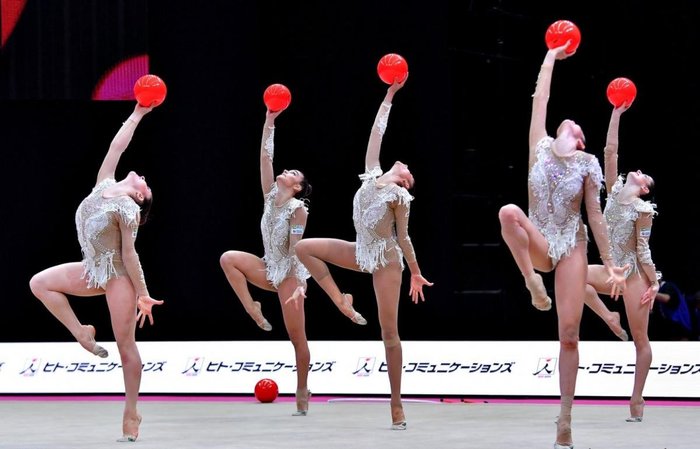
{"type": "Point", "coordinates": [435, 368]}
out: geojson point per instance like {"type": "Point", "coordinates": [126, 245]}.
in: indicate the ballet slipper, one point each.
{"type": "Point", "coordinates": [636, 411]}
{"type": "Point", "coordinates": [616, 327]}
{"type": "Point", "coordinates": [258, 317]}
{"type": "Point", "coordinates": [91, 344]}
{"type": "Point", "coordinates": [539, 298]}
{"type": "Point", "coordinates": [350, 312]}
{"type": "Point", "coordinates": [398, 419]}
{"type": "Point", "coordinates": [130, 436]}
{"type": "Point", "coordinates": [302, 399]}
{"type": "Point", "coordinates": [564, 440]}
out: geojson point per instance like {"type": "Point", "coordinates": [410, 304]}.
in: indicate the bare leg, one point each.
{"type": "Point", "coordinates": [638, 317]}
{"type": "Point", "coordinates": [569, 285]}
{"type": "Point", "coordinates": [597, 275]}
{"type": "Point", "coordinates": [51, 287]}
{"type": "Point", "coordinates": [241, 268]}
{"type": "Point", "coordinates": [294, 321]}
{"type": "Point", "coordinates": [121, 299]}
{"type": "Point", "coordinates": [387, 288]}
{"type": "Point", "coordinates": [529, 249]}
{"type": "Point", "coordinates": [314, 253]}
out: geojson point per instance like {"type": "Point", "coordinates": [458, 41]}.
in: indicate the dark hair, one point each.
{"type": "Point", "coordinates": [650, 194]}
{"type": "Point", "coordinates": [145, 209]}
{"type": "Point", "coordinates": [305, 189]}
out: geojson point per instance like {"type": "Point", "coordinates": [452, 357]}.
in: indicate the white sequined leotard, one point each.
{"type": "Point", "coordinates": [97, 221]}
{"type": "Point", "coordinates": [556, 190]}
{"type": "Point", "coordinates": [629, 226]}
{"type": "Point", "coordinates": [380, 214]}
{"type": "Point", "coordinates": [275, 234]}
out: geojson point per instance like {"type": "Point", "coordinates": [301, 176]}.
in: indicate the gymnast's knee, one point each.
{"type": "Point", "coordinates": [391, 339]}
{"type": "Point", "coordinates": [509, 213]}
{"type": "Point", "coordinates": [301, 248]}
{"type": "Point", "coordinates": [568, 339]}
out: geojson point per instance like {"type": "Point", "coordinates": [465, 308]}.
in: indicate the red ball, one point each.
{"type": "Point", "coordinates": [560, 32]}
{"type": "Point", "coordinates": [150, 91]}
{"type": "Point", "coordinates": [392, 67]}
{"type": "Point", "coordinates": [266, 390]}
{"type": "Point", "coordinates": [277, 97]}
{"type": "Point", "coordinates": [621, 91]}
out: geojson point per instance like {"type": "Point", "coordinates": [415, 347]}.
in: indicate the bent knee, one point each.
{"type": "Point", "coordinates": [301, 248]}
{"type": "Point", "coordinates": [590, 290]}
{"type": "Point", "coordinates": [228, 258]}
{"type": "Point", "coordinates": [509, 213]}
{"type": "Point", "coordinates": [37, 284]}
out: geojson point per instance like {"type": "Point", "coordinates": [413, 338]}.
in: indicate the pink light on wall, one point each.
{"type": "Point", "coordinates": [118, 82]}
{"type": "Point", "coordinates": [10, 11]}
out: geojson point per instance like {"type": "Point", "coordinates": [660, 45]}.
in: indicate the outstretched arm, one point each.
{"type": "Point", "coordinates": [599, 227]}
{"type": "Point", "coordinates": [401, 213]}
{"type": "Point", "coordinates": [538, 119]}
{"type": "Point", "coordinates": [267, 151]}
{"type": "Point", "coordinates": [297, 226]}
{"type": "Point", "coordinates": [611, 145]}
{"type": "Point", "coordinates": [643, 232]}
{"type": "Point", "coordinates": [120, 142]}
{"type": "Point", "coordinates": [132, 264]}
{"type": "Point", "coordinates": [379, 126]}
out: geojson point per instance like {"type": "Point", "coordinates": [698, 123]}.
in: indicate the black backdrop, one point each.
{"type": "Point", "coordinates": [460, 123]}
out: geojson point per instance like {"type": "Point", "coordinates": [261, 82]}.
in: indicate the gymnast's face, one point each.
{"type": "Point", "coordinates": [575, 131]}
{"type": "Point", "coordinates": [404, 173]}
{"type": "Point", "coordinates": [643, 181]}
{"type": "Point", "coordinates": [140, 185]}
{"type": "Point", "coordinates": [291, 178]}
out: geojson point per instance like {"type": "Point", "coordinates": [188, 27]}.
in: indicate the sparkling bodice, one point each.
{"type": "Point", "coordinates": [556, 189]}
{"type": "Point", "coordinates": [97, 222]}
{"type": "Point", "coordinates": [275, 228]}
{"type": "Point", "coordinates": [375, 210]}
{"type": "Point", "coordinates": [627, 247]}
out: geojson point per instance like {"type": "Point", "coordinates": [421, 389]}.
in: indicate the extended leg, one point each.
{"type": "Point", "coordinates": [294, 321]}
{"type": "Point", "coordinates": [121, 299]}
{"type": "Point", "coordinates": [570, 282]}
{"type": "Point", "coordinates": [638, 317]}
{"type": "Point", "coordinates": [387, 287]}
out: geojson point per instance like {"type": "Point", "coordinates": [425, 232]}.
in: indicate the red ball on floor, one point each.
{"type": "Point", "coordinates": [266, 390]}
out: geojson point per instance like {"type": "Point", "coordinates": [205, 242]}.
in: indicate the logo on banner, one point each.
{"type": "Point", "coordinates": [546, 367]}
{"type": "Point", "coordinates": [365, 366]}
{"type": "Point", "coordinates": [30, 367]}
{"type": "Point", "coordinates": [193, 366]}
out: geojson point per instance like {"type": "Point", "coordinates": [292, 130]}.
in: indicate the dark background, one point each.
{"type": "Point", "coordinates": [460, 123]}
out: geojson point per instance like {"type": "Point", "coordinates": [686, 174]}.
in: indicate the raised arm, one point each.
{"type": "Point", "coordinates": [132, 264]}
{"type": "Point", "coordinates": [379, 127]}
{"type": "Point", "coordinates": [538, 119]}
{"type": "Point", "coordinates": [267, 152]}
{"type": "Point", "coordinates": [120, 142]}
{"type": "Point", "coordinates": [611, 145]}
